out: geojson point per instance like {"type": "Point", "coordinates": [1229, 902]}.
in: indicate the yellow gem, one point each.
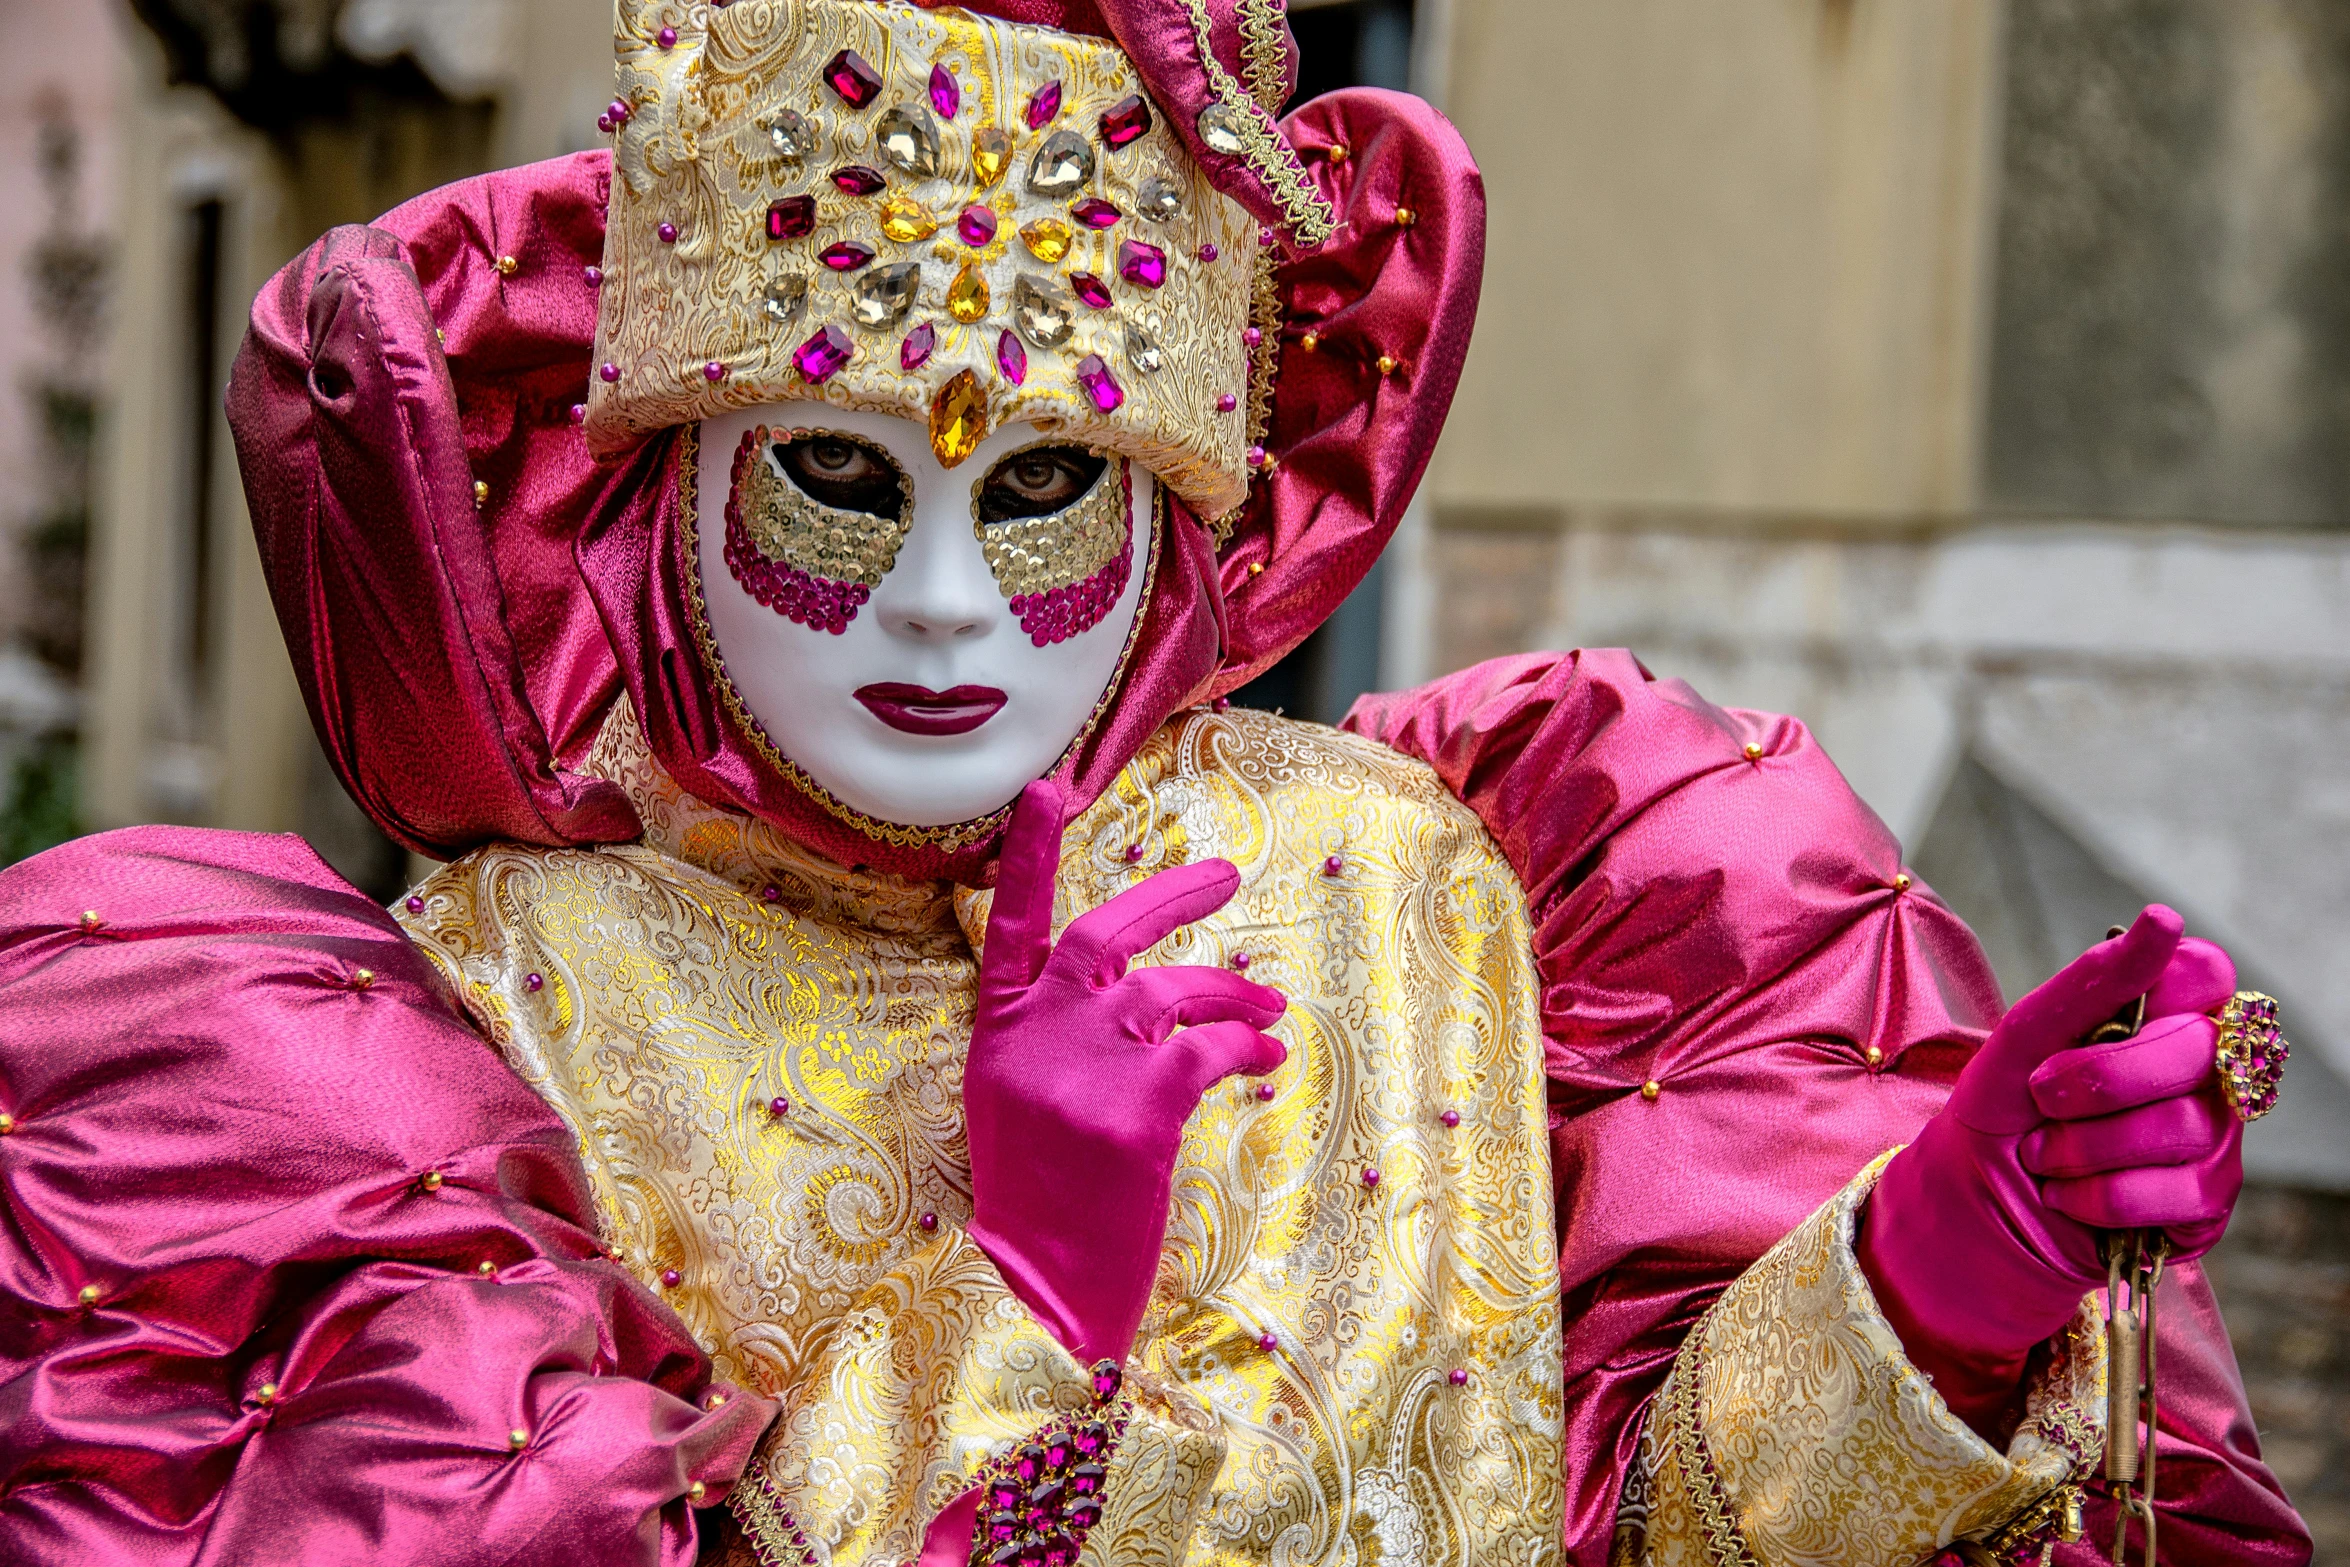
{"type": "Point", "coordinates": [904, 220]}
{"type": "Point", "coordinates": [967, 297]}
{"type": "Point", "coordinates": [991, 154]}
{"type": "Point", "coordinates": [958, 419]}
{"type": "Point", "coordinates": [1048, 238]}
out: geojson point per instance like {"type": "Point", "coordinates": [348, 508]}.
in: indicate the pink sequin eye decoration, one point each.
{"type": "Point", "coordinates": [809, 562]}
{"type": "Point", "coordinates": [1063, 571]}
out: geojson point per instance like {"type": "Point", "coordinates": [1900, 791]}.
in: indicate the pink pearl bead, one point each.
{"type": "Point", "coordinates": [1222, 704]}
{"type": "Point", "coordinates": [1268, 1342]}
{"type": "Point", "coordinates": [1370, 1177]}
{"type": "Point", "coordinates": [1133, 852]}
{"type": "Point", "coordinates": [416, 905]}
{"type": "Point", "coordinates": [668, 233]}
{"type": "Point", "coordinates": [668, 37]}
{"type": "Point", "coordinates": [1253, 336]}
{"type": "Point", "coordinates": [713, 372]}
{"type": "Point", "coordinates": [1265, 238]}
{"type": "Point", "coordinates": [594, 276]}
{"type": "Point", "coordinates": [1265, 1092]}
{"type": "Point", "coordinates": [779, 1108]}
{"type": "Point", "coordinates": [1227, 403]}
{"type": "Point", "coordinates": [1450, 1118]}
{"type": "Point", "coordinates": [929, 1221]}
{"type": "Point", "coordinates": [534, 983]}
{"type": "Point", "coordinates": [604, 124]}
{"type": "Point", "coordinates": [671, 1278]}
{"type": "Point", "coordinates": [1256, 457]}
{"type": "Point", "coordinates": [579, 413]}
{"type": "Point", "coordinates": [1240, 961]}
{"type": "Point", "coordinates": [771, 895]}
{"type": "Point", "coordinates": [1460, 1378]}
{"type": "Point", "coordinates": [1208, 253]}
{"type": "Point", "coordinates": [1333, 866]}
{"type": "Point", "coordinates": [611, 375]}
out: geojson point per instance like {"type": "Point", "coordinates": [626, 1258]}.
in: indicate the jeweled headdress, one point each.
{"type": "Point", "coordinates": [928, 213]}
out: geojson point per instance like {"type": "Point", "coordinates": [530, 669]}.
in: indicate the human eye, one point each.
{"type": "Point", "coordinates": [844, 473]}
{"type": "Point", "coordinates": [1038, 482]}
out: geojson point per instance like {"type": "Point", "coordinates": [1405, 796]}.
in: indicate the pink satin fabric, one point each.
{"type": "Point", "coordinates": [1730, 930]}
{"type": "Point", "coordinates": [225, 1134]}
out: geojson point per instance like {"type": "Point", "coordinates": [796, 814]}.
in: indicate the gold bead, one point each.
{"type": "Point", "coordinates": [1876, 1058]}
{"type": "Point", "coordinates": [1310, 342]}
{"type": "Point", "coordinates": [481, 492]}
{"type": "Point", "coordinates": [486, 1269]}
{"type": "Point", "coordinates": [1650, 1089]}
{"type": "Point", "coordinates": [1753, 751]}
{"type": "Point", "coordinates": [1340, 152]}
{"type": "Point", "coordinates": [89, 1294]}
{"type": "Point", "coordinates": [440, 337]}
{"type": "Point", "coordinates": [518, 1439]}
{"type": "Point", "coordinates": [695, 1492]}
{"type": "Point", "coordinates": [508, 266]}
{"type": "Point", "coordinates": [1405, 217]}
{"type": "Point", "coordinates": [1901, 883]}
{"type": "Point", "coordinates": [7, 1124]}
{"type": "Point", "coordinates": [267, 1395]}
{"type": "Point", "coordinates": [1272, 467]}
{"type": "Point", "coordinates": [363, 979]}
{"type": "Point", "coordinates": [717, 1400]}
{"type": "Point", "coordinates": [91, 921]}
{"type": "Point", "coordinates": [1387, 364]}
{"type": "Point", "coordinates": [1256, 568]}
{"type": "Point", "coordinates": [432, 1180]}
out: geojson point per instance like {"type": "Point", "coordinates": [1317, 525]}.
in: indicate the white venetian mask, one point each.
{"type": "Point", "coordinates": [922, 642]}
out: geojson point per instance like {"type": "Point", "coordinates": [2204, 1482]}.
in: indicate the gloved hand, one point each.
{"type": "Point", "coordinates": [1981, 1236]}
{"type": "Point", "coordinates": [1078, 1083]}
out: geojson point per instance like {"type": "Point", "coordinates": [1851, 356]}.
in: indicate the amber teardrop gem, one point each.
{"type": "Point", "coordinates": [967, 296]}
{"type": "Point", "coordinates": [991, 154]}
{"type": "Point", "coordinates": [958, 419]}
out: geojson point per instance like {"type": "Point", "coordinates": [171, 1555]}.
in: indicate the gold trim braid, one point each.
{"type": "Point", "coordinates": [1267, 152]}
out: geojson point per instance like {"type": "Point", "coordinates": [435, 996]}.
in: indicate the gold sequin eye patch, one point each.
{"type": "Point", "coordinates": [807, 560]}
{"type": "Point", "coordinates": [1064, 569]}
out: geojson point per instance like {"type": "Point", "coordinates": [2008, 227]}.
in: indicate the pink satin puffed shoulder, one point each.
{"type": "Point", "coordinates": [1745, 999]}
{"type": "Point", "coordinates": [295, 1270]}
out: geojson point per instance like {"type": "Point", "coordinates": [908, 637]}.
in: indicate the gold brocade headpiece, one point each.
{"type": "Point", "coordinates": [925, 213]}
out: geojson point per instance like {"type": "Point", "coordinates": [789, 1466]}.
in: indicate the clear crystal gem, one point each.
{"type": "Point", "coordinates": [792, 137]}
{"type": "Point", "coordinates": [887, 293]}
{"type": "Point", "coordinates": [1219, 127]}
{"type": "Point", "coordinates": [908, 137]}
{"type": "Point", "coordinates": [1041, 312]}
{"type": "Point", "coordinates": [783, 299]}
{"type": "Point", "coordinates": [1063, 163]}
{"type": "Point", "coordinates": [1142, 353]}
{"type": "Point", "coordinates": [1159, 200]}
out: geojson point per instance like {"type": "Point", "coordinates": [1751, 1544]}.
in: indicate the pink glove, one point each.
{"type": "Point", "coordinates": [1078, 1084]}
{"type": "Point", "coordinates": [1981, 1237]}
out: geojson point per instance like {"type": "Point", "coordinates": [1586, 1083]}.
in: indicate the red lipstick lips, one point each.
{"type": "Point", "coordinates": [918, 710]}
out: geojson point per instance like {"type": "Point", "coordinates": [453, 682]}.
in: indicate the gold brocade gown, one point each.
{"type": "Point", "coordinates": [1353, 1350]}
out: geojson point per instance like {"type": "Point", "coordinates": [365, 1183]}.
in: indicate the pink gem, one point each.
{"type": "Point", "coordinates": [1044, 105]}
{"type": "Point", "coordinates": [1091, 289]}
{"type": "Point", "coordinates": [794, 217]}
{"type": "Point", "coordinates": [1268, 1342]}
{"type": "Point", "coordinates": [667, 37]}
{"type": "Point", "coordinates": [858, 180]}
{"type": "Point", "coordinates": [1333, 866]}
{"type": "Point", "coordinates": [1252, 336]}
{"type": "Point", "coordinates": [534, 983]}
{"type": "Point", "coordinates": [579, 413]}
{"type": "Point", "coordinates": [1256, 457]}
{"type": "Point", "coordinates": [946, 94]}
{"type": "Point", "coordinates": [1460, 1378]}
{"type": "Point", "coordinates": [1011, 358]}
{"type": "Point", "coordinates": [1240, 961]}
{"type": "Point", "coordinates": [1138, 263]}
{"type": "Point", "coordinates": [1208, 253]}
{"type": "Point", "coordinates": [779, 1108]}
{"type": "Point", "coordinates": [416, 905]}
{"type": "Point", "coordinates": [847, 74]}
{"type": "Point", "coordinates": [1227, 403]}
{"type": "Point", "coordinates": [1096, 213]}
{"type": "Point", "coordinates": [671, 1278]}
{"type": "Point", "coordinates": [976, 225]}
{"type": "Point", "coordinates": [929, 1221]}
{"type": "Point", "coordinates": [1125, 121]}
{"type": "Point", "coordinates": [1099, 384]}
{"type": "Point", "coordinates": [668, 233]}
{"type": "Point", "coordinates": [1450, 1118]}
{"type": "Point", "coordinates": [611, 375]}
{"type": "Point", "coordinates": [713, 372]}
{"type": "Point", "coordinates": [845, 256]}
{"type": "Point", "coordinates": [594, 276]}
{"type": "Point", "coordinates": [1265, 1092]}
{"type": "Point", "coordinates": [604, 124]}
{"type": "Point", "coordinates": [916, 350]}
{"type": "Point", "coordinates": [822, 355]}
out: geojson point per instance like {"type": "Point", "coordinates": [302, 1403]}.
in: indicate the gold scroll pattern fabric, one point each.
{"type": "Point", "coordinates": [1794, 1432]}
{"type": "Point", "coordinates": [686, 981]}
